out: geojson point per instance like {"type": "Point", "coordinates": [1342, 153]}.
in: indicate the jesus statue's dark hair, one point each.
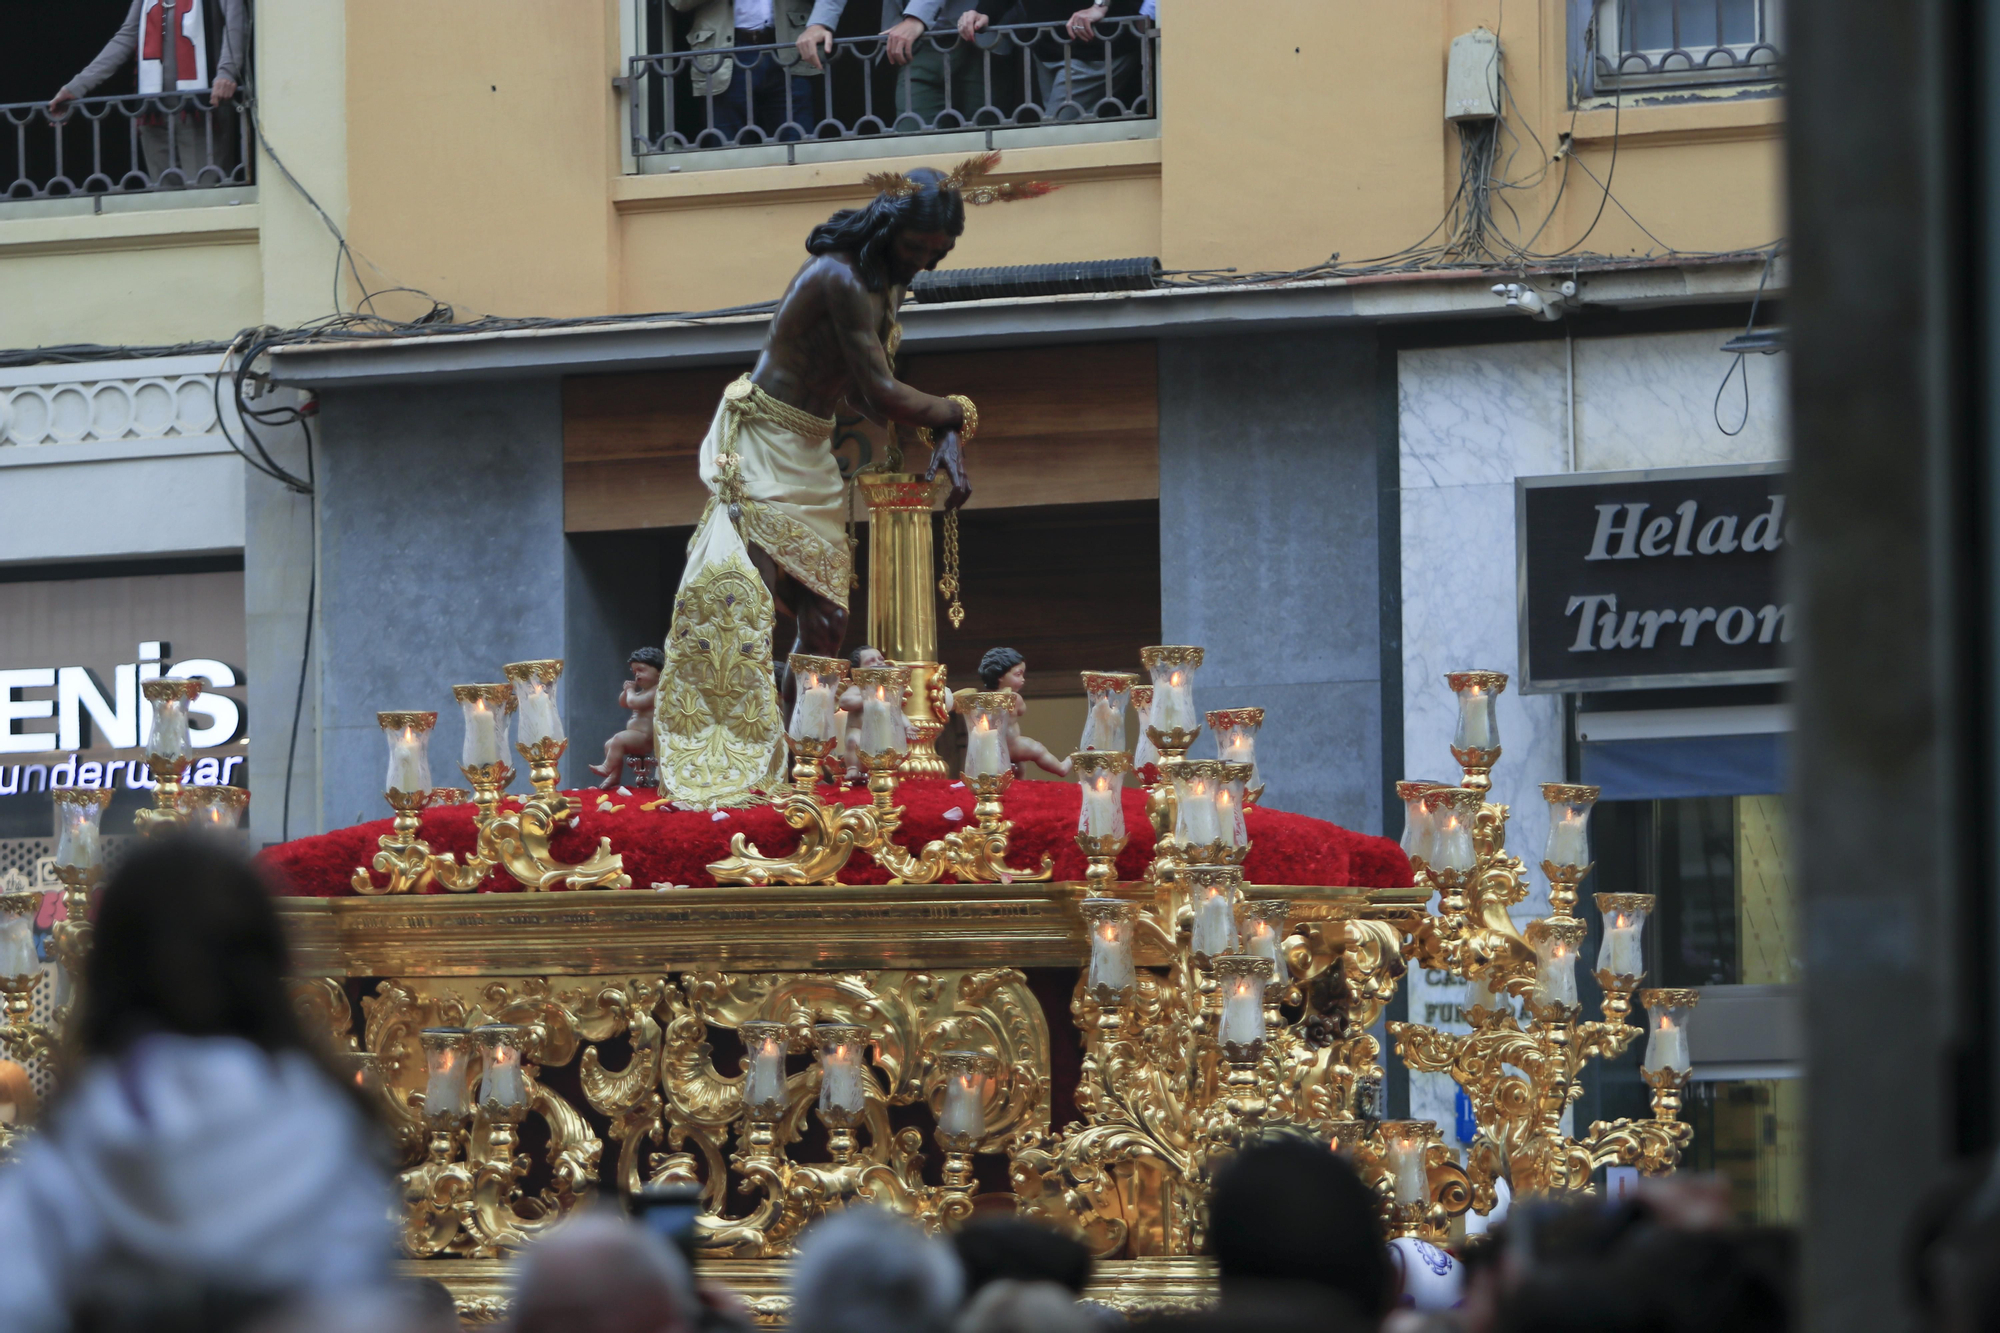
{"type": "Point", "coordinates": [866, 233]}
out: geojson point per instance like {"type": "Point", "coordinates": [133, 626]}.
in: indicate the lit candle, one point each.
{"type": "Point", "coordinates": [1419, 825]}
{"type": "Point", "coordinates": [882, 721]}
{"type": "Point", "coordinates": [1264, 925]}
{"type": "Point", "coordinates": [167, 730]}
{"type": "Point", "coordinates": [1667, 1048]}
{"type": "Point", "coordinates": [1479, 994]}
{"type": "Point", "coordinates": [842, 1094]}
{"type": "Point", "coordinates": [1620, 954]}
{"type": "Point", "coordinates": [502, 1084]}
{"type": "Point", "coordinates": [764, 1071]}
{"type": "Point", "coordinates": [1194, 821]}
{"type": "Point", "coordinates": [1172, 668]}
{"type": "Point", "coordinates": [445, 1063]}
{"type": "Point", "coordinates": [1242, 1006]}
{"type": "Point", "coordinates": [1110, 944]}
{"type": "Point", "coordinates": [216, 807]}
{"type": "Point", "coordinates": [1104, 721]}
{"type": "Point", "coordinates": [1478, 728]}
{"type": "Point", "coordinates": [485, 710]}
{"type": "Point", "coordinates": [1103, 807]}
{"type": "Point", "coordinates": [409, 738]}
{"type": "Point", "coordinates": [985, 747]}
{"type": "Point", "coordinates": [1555, 963]}
{"type": "Point", "coordinates": [78, 810]}
{"type": "Point", "coordinates": [17, 941]}
{"type": "Point", "coordinates": [1215, 913]}
{"type": "Point", "coordinates": [964, 1113]}
{"type": "Point", "coordinates": [1454, 811]}
{"type": "Point", "coordinates": [539, 719]}
{"type": "Point", "coordinates": [1406, 1165]}
{"type": "Point", "coordinates": [1229, 805]}
{"type": "Point", "coordinates": [814, 714]}
{"type": "Point", "coordinates": [1174, 702]}
{"type": "Point", "coordinates": [1236, 740]}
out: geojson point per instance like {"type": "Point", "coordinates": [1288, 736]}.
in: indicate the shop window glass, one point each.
{"type": "Point", "coordinates": [1748, 1133]}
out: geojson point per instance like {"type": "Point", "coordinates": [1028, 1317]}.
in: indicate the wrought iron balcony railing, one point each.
{"type": "Point", "coordinates": [1648, 45]}
{"type": "Point", "coordinates": [128, 144]}
{"type": "Point", "coordinates": [1022, 75]}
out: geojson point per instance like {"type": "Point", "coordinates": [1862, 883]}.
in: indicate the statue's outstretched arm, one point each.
{"type": "Point", "coordinates": [882, 394]}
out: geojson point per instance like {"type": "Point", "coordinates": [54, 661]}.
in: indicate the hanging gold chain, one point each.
{"type": "Point", "coordinates": [948, 585]}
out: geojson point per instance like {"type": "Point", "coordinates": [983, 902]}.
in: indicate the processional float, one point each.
{"type": "Point", "coordinates": [786, 1041]}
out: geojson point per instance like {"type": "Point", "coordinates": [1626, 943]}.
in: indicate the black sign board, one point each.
{"type": "Point", "coordinates": [1636, 580]}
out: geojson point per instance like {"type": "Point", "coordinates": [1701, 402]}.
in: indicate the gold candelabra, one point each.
{"type": "Point", "coordinates": [515, 841]}
{"type": "Point", "coordinates": [169, 752]}
{"type": "Point", "coordinates": [1520, 1070]}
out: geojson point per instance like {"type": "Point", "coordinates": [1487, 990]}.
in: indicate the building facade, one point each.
{"type": "Point", "coordinates": [1307, 464]}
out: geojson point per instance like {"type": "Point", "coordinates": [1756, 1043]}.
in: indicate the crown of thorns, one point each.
{"type": "Point", "coordinates": [896, 185]}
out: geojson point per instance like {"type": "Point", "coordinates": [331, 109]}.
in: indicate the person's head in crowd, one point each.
{"type": "Point", "coordinates": [1009, 1306]}
{"type": "Point", "coordinates": [865, 1270]}
{"type": "Point", "coordinates": [186, 942]}
{"type": "Point", "coordinates": [1288, 1211]}
{"type": "Point", "coordinates": [598, 1273]}
{"type": "Point", "coordinates": [993, 1249]}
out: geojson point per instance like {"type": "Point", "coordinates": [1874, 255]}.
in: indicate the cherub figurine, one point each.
{"type": "Point", "coordinates": [636, 694]}
{"type": "Point", "coordinates": [1006, 669]}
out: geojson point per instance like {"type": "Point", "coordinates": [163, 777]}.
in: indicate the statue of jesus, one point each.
{"type": "Point", "coordinates": [773, 534]}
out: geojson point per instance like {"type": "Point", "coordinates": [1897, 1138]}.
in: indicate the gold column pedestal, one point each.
{"type": "Point", "coordinates": [902, 605]}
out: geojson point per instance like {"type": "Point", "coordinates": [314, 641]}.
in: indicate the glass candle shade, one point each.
{"type": "Point", "coordinates": [1622, 951]}
{"type": "Point", "coordinates": [1100, 778]}
{"type": "Point", "coordinates": [215, 807]}
{"type": "Point", "coordinates": [447, 1067]}
{"type": "Point", "coordinates": [986, 714]}
{"type": "Point", "coordinates": [409, 739]}
{"type": "Point", "coordinates": [843, 1052]}
{"type": "Point", "coordinates": [1555, 944]}
{"type": "Point", "coordinates": [1261, 926]}
{"type": "Point", "coordinates": [1568, 847]}
{"type": "Point", "coordinates": [535, 696]}
{"type": "Point", "coordinates": [487, 710]}
{"type": "Point", "coordinates": [1667, 1014]}
{"type": "Point", "coordinates": [1478, 692]}
{"type": "Point", "coordinates": [1212, 892]}
{"type": "Point", "coordinates": [1405, 1143]}
{"type": "Point", "coordinates": [167, 719]}
{"type": "Point", "coordinates": [1231, 800]}
{"type": "Point", "coordinates": [503, 1087]}
{"type": "Point", "coordinates": [1172, 668]}
{"type": "Point", "coordinates": [763, 1068]}
{"type": "Point", "coordinates": [1104, 716]}
{"type": "Point", "coordinates": [1453, 813]}
{"type": "Point", "coordinates": [962, 1116]}
{"type": "Point", "coordinates": [18, 960]}
{"type": "Point", "coordinates": [1194, 782]}
{"type": "Point", "coordinates": [1480, 994]}
{"type": "Point", "coordinates": [1235, 731]}
{"type": "Point", "coordinates": [1419, 828]}
{"type": "Point", "coordinates": [1242, 978]}
{"type": "Point", "coordinates": [79, 826]}
{"type": "Point", "coordinates": [1144, 752]}
{"type": "Point", "coordinates": [1110, 921]}
{"type": "Point", "coordinates": [816, 710]}
{"type": "Point", "coordinates": [882, 728]}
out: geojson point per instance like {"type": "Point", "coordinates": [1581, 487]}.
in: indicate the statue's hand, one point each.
{"type": "Point", "coordinates": [949, 453]}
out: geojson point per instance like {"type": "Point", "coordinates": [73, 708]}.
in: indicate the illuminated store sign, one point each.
{"type": "Point", "coordinates": [89, 714]}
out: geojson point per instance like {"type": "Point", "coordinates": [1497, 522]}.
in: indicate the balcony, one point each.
{"type": "Point", "coordinates": [122, 145]}
{"type": "Point", "coordinates": [1655, 46]}
{"type": "Point", "coordinates": [1012, 86]}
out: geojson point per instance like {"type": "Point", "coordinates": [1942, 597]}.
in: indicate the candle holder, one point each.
{"type": "Point", "coordinates": [1210, 910]}
{"type": "Point", "coordinates": [1235, 731]}
{"type": "Point", "coordinates": [1190, 785]}
{"type": "Point", "coordinates": [1566, 857]}
{"type": "Point", "coordinates": [1261, 924]}
{"type": "Point", "coordinates": [539, 732]}
{"type": "Point", "coordinates": [1667, 1066]}
{"type": "Point", "coordinates": [217, 809]}
{"type": "Point", "coordinates": [483, 760]}
{"type": "Point", "coordinates": [1112, 975]}
{"type": "Point", "coordinates": [1144, 752]}
{"type": "Point", "coordinates": [967, 1077]}
{"type": "Point", "coordinates": [1106, 694]}
{"type": "Point", "coordinates": [1424, 1186]}
{"type": "Point", "coordinates": [79, 864]}
{"type": "Point", "coordinates": [1555, 941]}
{"type": "Point", "coordinates": [1100, 821]}
{"type": "Point", "coordinates": [438, 1188]}
{"type": "Point", "coordinates": [978, 855]}
{"type": "Point", "coordinates": [1232, 799]}
{"type": "Point", "coordinates": [843, 1084]}
{"type": "Point", "coordinates": [20, 972]}
{"type": "Point", "coordinates": [168, 752]}
{"type": "Point", "coordinates": [1418, 835]}
{"type": "Point", "coordinates": [1621, 958]}
{"type": "Point", "coordinates": [814, 731]}
{"type": "Point", "coordinates": [1172, 724]}
{"type": "Point", "coordinates": [1476, 742]}
{"type": "Point", "coordinates": [403, 856]}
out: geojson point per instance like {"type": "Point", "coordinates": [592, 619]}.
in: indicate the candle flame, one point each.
{"type": "Point", "coordinates": [1666, 1023]}
{"type": "Point", "coordinates": [1222, 796]}
{"type": "Point", "coordinates": [984, 725]}
{"type": "Point", "coordinates": [1620, 923]}
{"type": "Point", "coordinates": [1103, 783]}
{"type": "Point", "coordinates": [1174, 679]}
{"type": "Point", "coordinates": [1108, 933]}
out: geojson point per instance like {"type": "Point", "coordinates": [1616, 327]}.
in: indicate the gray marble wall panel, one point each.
{"type": "Point", "coordinates": [1270, 553]}
{"type": "Point", "coordinates": [441, 558]}
{"type": "Point", "coordinates": [277, 583]}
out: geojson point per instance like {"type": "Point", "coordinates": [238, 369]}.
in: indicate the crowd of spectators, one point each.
{"type": "Point", "coordinates": [205, 1171]}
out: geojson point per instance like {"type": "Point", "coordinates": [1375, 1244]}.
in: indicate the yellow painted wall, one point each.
{"type": "Point", "coordinates": [141, 278]}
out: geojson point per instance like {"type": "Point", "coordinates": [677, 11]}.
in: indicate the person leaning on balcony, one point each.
{"type": "Point", "coordinates": [750, 90]}
{"type": "Point", "coordinates": [210, 37]}
{"type": "Point", "coordinates": [1072, 74]}
{"type": "Point", "coordinates": [921, 92]}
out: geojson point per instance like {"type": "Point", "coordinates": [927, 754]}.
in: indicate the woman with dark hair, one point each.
{"type": "Point", "coordinates": [201, 1166]}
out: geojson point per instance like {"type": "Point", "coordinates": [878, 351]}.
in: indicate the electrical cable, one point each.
{"type": "Point", "coordinates": [1738, 364]}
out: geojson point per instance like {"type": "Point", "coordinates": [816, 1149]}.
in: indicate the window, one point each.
{"type": "Point", "coordinates": [1658, 44]}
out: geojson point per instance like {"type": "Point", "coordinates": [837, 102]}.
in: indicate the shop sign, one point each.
{"type": "Point", "coordinates": [1663, 577]}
